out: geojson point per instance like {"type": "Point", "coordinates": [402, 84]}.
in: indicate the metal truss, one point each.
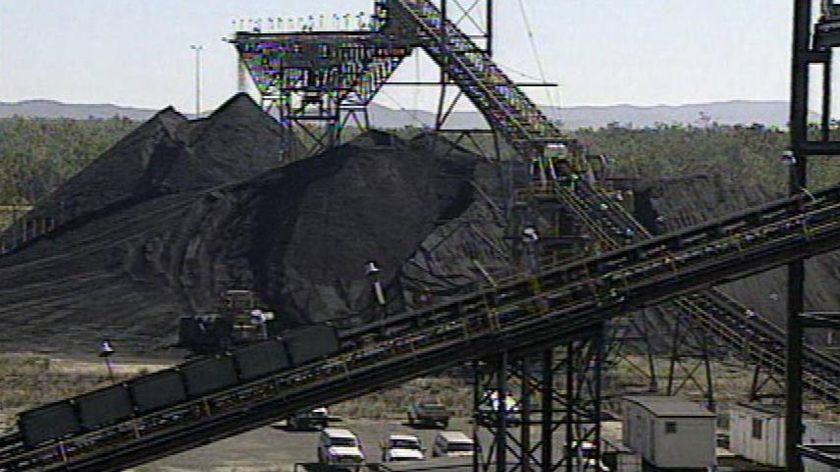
{"type": "Point", "coordinates": [689, 354]}
{"type": "Point", "coordinates": [557, 392]}
{"type": "Point", "coordinates": [320, 82]}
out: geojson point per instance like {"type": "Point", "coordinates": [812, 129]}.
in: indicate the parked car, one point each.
{"type": "Point", "coordinates": [428, 413]}
{"type": "Point", "coordinates": [402, 447]}
{"type": "Point", "coordinates": [453, 444]}
{"type": "Point", "coordinates": [315, 419]}
{"type": "Point", "coordinates": [340, 447]}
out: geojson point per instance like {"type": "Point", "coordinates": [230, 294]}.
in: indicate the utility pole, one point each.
{"type": "Point", "coordinates": [197, 48]}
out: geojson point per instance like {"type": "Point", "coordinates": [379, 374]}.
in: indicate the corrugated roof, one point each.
{"type": "Point", "coordinates": [670, 406]}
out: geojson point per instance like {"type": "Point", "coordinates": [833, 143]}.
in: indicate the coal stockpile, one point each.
{"type": "Point", "coordinates": [378, 199]}
{"type": "Point", "coordinates": [170, 154]}
{"type": "Point", "coordinates": [683, 202]}
{"type": "Point", "coordinates": [300, 235]}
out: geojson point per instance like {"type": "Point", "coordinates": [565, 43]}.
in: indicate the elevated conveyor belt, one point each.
{"type": "Point", "coordinates": [759, 340]}
{"type": "Point", "coordinates": [503, 104]}
{"type": "Point", "coordinates": [509, 111]}
{"type": "Point", "coordinates": [520, 313]}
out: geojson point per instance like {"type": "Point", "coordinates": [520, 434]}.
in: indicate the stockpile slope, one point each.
{"type": "Point", "coordinates": [300, 235]}
{"type": "Point", "coordinates": [692, 200]}
{"type": "Point", "coordinates": [451, 259]}
{"type": "Point", "coordinates": [170, 154]}
{"type": "Point", "coordinates": [315, 224]}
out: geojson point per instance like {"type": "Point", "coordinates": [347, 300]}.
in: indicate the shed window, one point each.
{"type": "Point", "coordinates": [756, 428]}
{"type": "Point", "coordinates": [670, 427]}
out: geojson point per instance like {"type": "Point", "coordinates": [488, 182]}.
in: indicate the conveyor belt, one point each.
{"type": "Point", "coordinates": [753, 336]}
{"type": "Point", "coordinates": [511, 113]}
{"type": "Point", "coordinates": [561, 303]}
{"type": "Point", "coordinates": [506, 108]}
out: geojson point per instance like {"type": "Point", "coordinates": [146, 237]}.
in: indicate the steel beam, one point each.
{"type": "Point", "coordinates": [571, 409]}
{"type": "Point", "coordinates": [796, 270]}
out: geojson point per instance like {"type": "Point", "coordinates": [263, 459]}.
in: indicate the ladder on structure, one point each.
{"type": "Point", "coordinates": [510, 112]}
{"type": "Point", "coordinates": [505, 107]}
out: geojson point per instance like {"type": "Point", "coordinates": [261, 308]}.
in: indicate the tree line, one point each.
{"type": "Point", "coordinates": [37, 154]}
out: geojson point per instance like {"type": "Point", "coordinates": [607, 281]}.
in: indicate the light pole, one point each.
{"type": "Point", "coordinates": [372, 273]}
{"type": "Point", "coordinates": [106, 350]}
{"type": "Point", "coordinates": [197, 48]}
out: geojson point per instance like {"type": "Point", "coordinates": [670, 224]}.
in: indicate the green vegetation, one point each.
{"type": "Point", "coordinates": [738, 155]}
{"type": "Point", "coordinates": [37, 155]}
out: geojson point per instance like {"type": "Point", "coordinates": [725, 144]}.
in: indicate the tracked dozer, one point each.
{"type": "Point", "coordinates": [238, 321]}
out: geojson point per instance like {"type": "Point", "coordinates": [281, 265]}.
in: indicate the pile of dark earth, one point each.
{"type": "Point", "coordinates": [691, 200]}
{"type": "Point", "coordinates": [179, 211]}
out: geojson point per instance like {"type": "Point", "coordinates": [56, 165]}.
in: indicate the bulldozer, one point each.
{"type": "Point", "coordinates": [237, 321]}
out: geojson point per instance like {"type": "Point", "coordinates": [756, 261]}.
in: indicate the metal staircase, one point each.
{"type": "Point", "coordinates": [509, 111]}
{"type": "Point", "coordinates": [503, 104]}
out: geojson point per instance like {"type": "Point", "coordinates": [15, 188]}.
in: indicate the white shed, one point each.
{"type": "Point", "coordinates": [757, 432]}
{"type": "Point", "coordinates": [669, 433]}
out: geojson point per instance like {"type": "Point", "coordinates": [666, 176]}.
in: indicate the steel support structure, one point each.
{"type": "Point", "coordinates": [555, 394]}
{"type": "Point", "coordinates": [546, 409]}
{"type": "Point", "coordinates": [689, 362]}
{"type": "Point", "coordinates": [630, 349]}
{"type": "Point", "coordinates": [828, 454]}
{"type": "Point", "coordinates": [812, 46]}
{"type": "Point", "coordinates": [478, 26]}
{"type": "Point", "coordinates": [318, 83]}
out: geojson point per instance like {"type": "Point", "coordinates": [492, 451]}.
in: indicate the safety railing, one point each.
{"type": "Point", "coordinates": [732, 322]}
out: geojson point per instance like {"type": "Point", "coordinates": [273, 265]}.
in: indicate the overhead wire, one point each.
{"type": "Point", "coordinates": [515, 71]}
{"type": "Point", "coordinates": [555, 109]}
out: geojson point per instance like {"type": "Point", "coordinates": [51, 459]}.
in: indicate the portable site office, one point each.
{"type": "Point", "coordinates": [669, 434]}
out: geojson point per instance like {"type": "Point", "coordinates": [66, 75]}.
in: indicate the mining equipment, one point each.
{"type": "Point", "coordinates": [239, 321]}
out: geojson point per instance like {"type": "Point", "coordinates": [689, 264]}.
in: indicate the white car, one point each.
{"type": "Point", "coordinates": [340, 447]}
{"type": "Point", "coordinates": [402, 447]}
{"type": "Point", "coordinates": [453, 444]}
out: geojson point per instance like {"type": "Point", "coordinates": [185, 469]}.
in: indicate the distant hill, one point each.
{"type": "Point", "coordinates": [55, 109]}
{"type": "Point", "coordinates": [770, 113]}
{"type": "Point", "coordinates": [727, 113]}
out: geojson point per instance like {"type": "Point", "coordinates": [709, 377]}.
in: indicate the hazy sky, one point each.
{"type": "Point", "coordinates": [644, 52]}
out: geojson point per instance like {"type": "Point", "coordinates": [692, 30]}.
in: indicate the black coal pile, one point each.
{"type": "Point", "coordinates": [314, 224]}
{"type": "Point", "coordinates": [300, 235]}
{"type": "Point", "coordinates": [463, 250]}
{"type": "Point", "coordinates": [170, 154]}
{"type": "Point", "coordinates": [693, 200]}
